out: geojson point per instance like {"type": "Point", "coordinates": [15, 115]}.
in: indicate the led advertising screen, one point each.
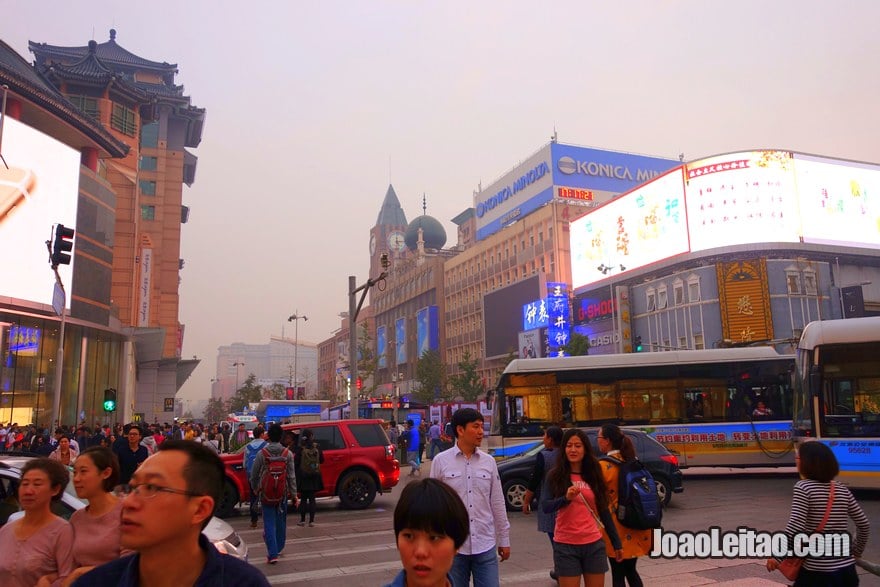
{"type": "Point", "coordinates": [610, 171]}
{"type": "Point", "coordinates": [638, 228]}
{"type": "Point", "coordinates": [839, 201]}
{"type": "Point", "coordinates": [38, 190]}
{"type": "Point", "coordinates": [427, 330]}
{"type": "Point", "coordinates": [381, 347]}
{"type": "Point", "coordinates": [502, 311]}
{"type": "Point", "coordinates": [741, 198]}
{"type": "Point", "coordinates": [400, 336]}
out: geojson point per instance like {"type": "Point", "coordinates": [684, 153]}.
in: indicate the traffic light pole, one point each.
{"type": "Point", "coordinates": [354, 307]}
{"type": "Point", "coordinates": [59, 360]}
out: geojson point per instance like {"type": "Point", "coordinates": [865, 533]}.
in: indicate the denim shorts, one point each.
{"type": "Point", "coordinates": [574, 560]}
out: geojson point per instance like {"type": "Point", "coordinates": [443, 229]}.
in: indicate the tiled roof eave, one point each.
{"type": "Point", "coordinates": [109, 52]}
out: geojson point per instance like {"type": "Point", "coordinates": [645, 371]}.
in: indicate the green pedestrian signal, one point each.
{"type": "Point", "coordinates": [638, 344]}
{"type": "Point", "coordinates": [110, 400]}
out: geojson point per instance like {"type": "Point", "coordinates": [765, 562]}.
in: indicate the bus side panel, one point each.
{"type": "Point", "coordinates": [859, 460]}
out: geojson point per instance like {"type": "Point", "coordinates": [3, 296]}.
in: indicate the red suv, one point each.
{"type": "Point", "coordinates": [358, 462]}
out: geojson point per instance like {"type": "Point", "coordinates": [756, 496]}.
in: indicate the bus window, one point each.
{"type": "Point", "coordinates": [528, 404]}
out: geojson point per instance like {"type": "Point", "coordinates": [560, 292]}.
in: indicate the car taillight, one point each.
{"type": "Point", "coordinates": [672, 459]}
{"type": "Point", "coordinates": [389, 452]}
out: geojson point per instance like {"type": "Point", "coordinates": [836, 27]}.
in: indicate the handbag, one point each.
{"type": "Point", "coordinates": [791, 567]}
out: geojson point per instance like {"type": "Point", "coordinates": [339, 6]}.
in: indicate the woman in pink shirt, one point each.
{"type": "Point", "coordinates": [97, 527]}
{"type": "Point", "coordinates": [40, 542]}
{"type": "Point", "coordinates": [579, 498]}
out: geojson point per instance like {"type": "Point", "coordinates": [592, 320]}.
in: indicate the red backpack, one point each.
{"type": "Point", "coordinates": [273, 484]}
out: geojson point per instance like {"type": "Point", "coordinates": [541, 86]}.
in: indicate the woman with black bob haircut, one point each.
{"type": "Point", "coordinates": [430, 525]}
{"type": "Point", "coordinates": [580, 499]}
{"type": "Point", "coordinates": [818, 497]}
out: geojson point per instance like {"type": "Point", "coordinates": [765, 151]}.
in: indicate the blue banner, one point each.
{"type": "Point", "coordinates": [604, 170]}
{"type": "Point", "coordinates": [427, 330]}
{"type": "Point", "coordinates": [535, 315]}
{"type": "Point", "coordinates": [381, 347]}
{"type": "Point", "coordinates": [559, 329]}
{"type": "Point", "coordinates": [400, 336]}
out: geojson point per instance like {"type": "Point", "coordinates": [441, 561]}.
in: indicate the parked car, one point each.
{"type": "Point", "coordinates": [218, 531]}
{"type": "Point", "coordinates": [359, 461]}
{"type": "Point", "coordinates": [662, 464]}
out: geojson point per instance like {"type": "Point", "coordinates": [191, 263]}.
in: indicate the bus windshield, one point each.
{"type": "Point", "coordinates": [728, 407]}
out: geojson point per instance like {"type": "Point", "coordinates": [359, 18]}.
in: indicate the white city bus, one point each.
{"type": "Point", "coordinates": [837, 394]}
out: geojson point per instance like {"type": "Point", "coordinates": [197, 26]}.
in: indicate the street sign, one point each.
{"type": "Point", "coordinates": [58, 299]}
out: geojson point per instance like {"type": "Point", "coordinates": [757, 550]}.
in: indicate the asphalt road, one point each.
{"type": "Point", "coordinates": [356, 548]}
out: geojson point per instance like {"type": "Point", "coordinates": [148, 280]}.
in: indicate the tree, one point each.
{"type": "Point", "coordinates": [249, 393]}
{"type": "Point", "coordinates": [276, 391]}
{"type": "Point", "coordinates": [578, 345]}
{"type": "Point", "coordinates": [467, 382]}
{"type": "Point", "coordinates": [215, 411]}
{"type": "Point", "coordinates": [430, 374]}
{"type": "Point", "coordinates": [368, 362]}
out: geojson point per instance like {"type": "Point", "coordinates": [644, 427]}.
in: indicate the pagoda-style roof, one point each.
{"type": "Point", "coordinates": [391, 213]}
{"type": "Point", "coordinates": [110, 65]}
{"type": "Point", "coordinates": [46, 109]}
{"type": "Point", "coordinates": [109, 52]}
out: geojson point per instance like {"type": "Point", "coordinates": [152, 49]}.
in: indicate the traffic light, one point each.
{"type": "Point", "coordinates": [110, 400]}
{"type": "Point", "coordinates": [360, 384]}
{"type": "Point", "coordinates": [638, 344]}
{"type": "Point", "coordinates": [62, 246]}
{"type": "Point", "coordinates": [290, 393]}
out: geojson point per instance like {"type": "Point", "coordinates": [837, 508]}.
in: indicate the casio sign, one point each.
{"type": "Point", "coordinates": [570, 166]}
{"type": "Point", "coordinates": [507, 192]}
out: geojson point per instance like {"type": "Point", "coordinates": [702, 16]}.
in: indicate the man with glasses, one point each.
{"type": "Point", "coordinates": [167, 504]}
{"type": "Point", "coordinates": [130, 454]}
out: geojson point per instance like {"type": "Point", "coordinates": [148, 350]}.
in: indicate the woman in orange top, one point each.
{"type": "Point", "coordinates": [616, 445]}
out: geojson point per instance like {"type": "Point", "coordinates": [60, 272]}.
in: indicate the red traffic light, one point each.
{"type": "Point", "coordinates": [360, 384]}
{"type": "Point", "coordinates": [290, 394]}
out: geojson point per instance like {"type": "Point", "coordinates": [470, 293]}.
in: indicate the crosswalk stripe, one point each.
{"type": "Point", "coordinates": [334, 572]}
{"type": "Point", "coordinates": [337, 552]}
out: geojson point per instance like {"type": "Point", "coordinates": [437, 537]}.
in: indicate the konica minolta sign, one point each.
{"type": "Point", "coordinates": [530, 185]}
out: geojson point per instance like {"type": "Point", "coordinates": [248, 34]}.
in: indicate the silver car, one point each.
{"type": "Point", "coordinates": [220, 533]}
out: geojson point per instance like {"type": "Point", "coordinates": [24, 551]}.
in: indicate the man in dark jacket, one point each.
{"type": "Point", "coordinates": [274, 516]}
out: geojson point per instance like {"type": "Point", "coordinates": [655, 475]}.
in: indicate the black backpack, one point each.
{"type": "Point", "coordinates": [638, 503]}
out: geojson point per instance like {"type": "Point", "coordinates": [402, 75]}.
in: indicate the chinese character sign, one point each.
{"type": "Point", "coordinates": [559, 330]}
{"type": "Point", "coordinates": [535, 315]}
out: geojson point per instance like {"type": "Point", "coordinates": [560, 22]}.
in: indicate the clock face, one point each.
{"type": "Point", "coordinates": [396, 241]}
{"type": "Point", "coordinates": [372, 244]}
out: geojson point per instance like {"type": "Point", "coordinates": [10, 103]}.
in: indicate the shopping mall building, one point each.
{"type": "Point", "coordinates": [94, 138]}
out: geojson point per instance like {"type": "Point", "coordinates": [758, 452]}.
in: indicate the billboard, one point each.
{"type": "Point", "coordinates": [400, 337]}
{"type": "Point", "coordinates": [427, 330]}
{"type": "Point", "coordinates": [839, 201]}
{"type": "Point", "coordinates": [530, 346]}
{"type": "Point", "coordinates": [559, 331]}
{"type": "Point", "coordinates": [40, 188]}
{"type": "Point", "coordinates": [518, 192]}
{"type": "Point", "coordinates": [381, 347]}
{"type": "Point", "coordinates": [608, 171]}
{"type": "Point", "coordinates": [646, 225]}
{"type": "Point", "coordinates": [502, 311]}
{"type": "Point", "coordinates": [741, 198]}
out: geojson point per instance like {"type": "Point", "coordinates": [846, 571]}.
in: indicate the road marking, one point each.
{"type": "Point", "coordinates": [340, 551]}
{"type": "Point", "coordinates": [334, 537]}
{"type": "Point", "coordinates": [334, 572]}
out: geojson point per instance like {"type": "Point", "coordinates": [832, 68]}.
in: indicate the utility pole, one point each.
{"type": "Point", "coordinates": [354, 307]}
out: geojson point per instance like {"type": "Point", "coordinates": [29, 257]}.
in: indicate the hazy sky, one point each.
{"type": "Point", "coordinates": [313, 106]}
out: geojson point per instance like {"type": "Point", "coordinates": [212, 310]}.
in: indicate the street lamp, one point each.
{"type": "Point", "coordinates": [354, 307]}
{"type": "Point", "coordinates": [395, 381]}
{"type": "Point", "coordinates": [295, 318]}
{"type": "Point", "coordinates": [237, 364]}
{"type": "Point", "coordinates": [615, 315]}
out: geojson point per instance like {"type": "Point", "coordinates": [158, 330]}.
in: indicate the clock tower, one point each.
{"type": "Point", "coordinates": [387, 236]}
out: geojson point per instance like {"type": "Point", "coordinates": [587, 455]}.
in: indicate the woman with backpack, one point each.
{"type": "Point", "coordinates": [581, 502]}
{"type": "Point", "coordinates": [618, 448]}
{"type": "Point", "coordinates": [308, 458]}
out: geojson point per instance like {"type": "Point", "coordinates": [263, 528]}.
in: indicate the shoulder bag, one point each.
{"type": "Point", "coordinates": [791, 567]}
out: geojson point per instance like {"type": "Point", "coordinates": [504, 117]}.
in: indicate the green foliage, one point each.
{"type": "Point", "coordinates": [430, 374]}
{"type": "Point", "coordinates": [467, 382]}
{"type": "Point", "coordinates": [578, 345]}
{"type": "Point", "coordinates": [215, 411]}
{"type": "Point", "coordinates": [248, 393]}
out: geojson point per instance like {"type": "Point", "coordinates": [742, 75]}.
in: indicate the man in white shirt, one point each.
{"type": "Point", "coordinates": [473, 474]}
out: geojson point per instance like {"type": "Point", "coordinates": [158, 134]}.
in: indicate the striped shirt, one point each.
{"type": "Point", "coordinates": [808, 504]}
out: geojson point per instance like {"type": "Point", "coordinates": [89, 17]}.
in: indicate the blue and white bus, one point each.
{"type": "Point", "coordinates": [715, 407]}
{"type": "Point", "coordinates": [837, 394]}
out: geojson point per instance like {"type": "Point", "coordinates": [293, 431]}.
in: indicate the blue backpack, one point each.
{"type": "Point", "coordinates": [250, 453]}
{"type": "Point", "coordinates": [638, 503]}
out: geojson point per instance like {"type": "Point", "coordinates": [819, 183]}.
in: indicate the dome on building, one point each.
{"type": "Point", "coordinates": [432, 230]}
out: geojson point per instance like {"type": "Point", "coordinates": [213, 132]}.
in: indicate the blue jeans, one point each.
{"type": "Point", "coordinates": [483, 567]}
{"type": "Point", "coordinates": [435, 447]}
{"type": "Point", "coordinates": [275, 528]}
{"type": "Point", "coordinates": [413, 459]}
